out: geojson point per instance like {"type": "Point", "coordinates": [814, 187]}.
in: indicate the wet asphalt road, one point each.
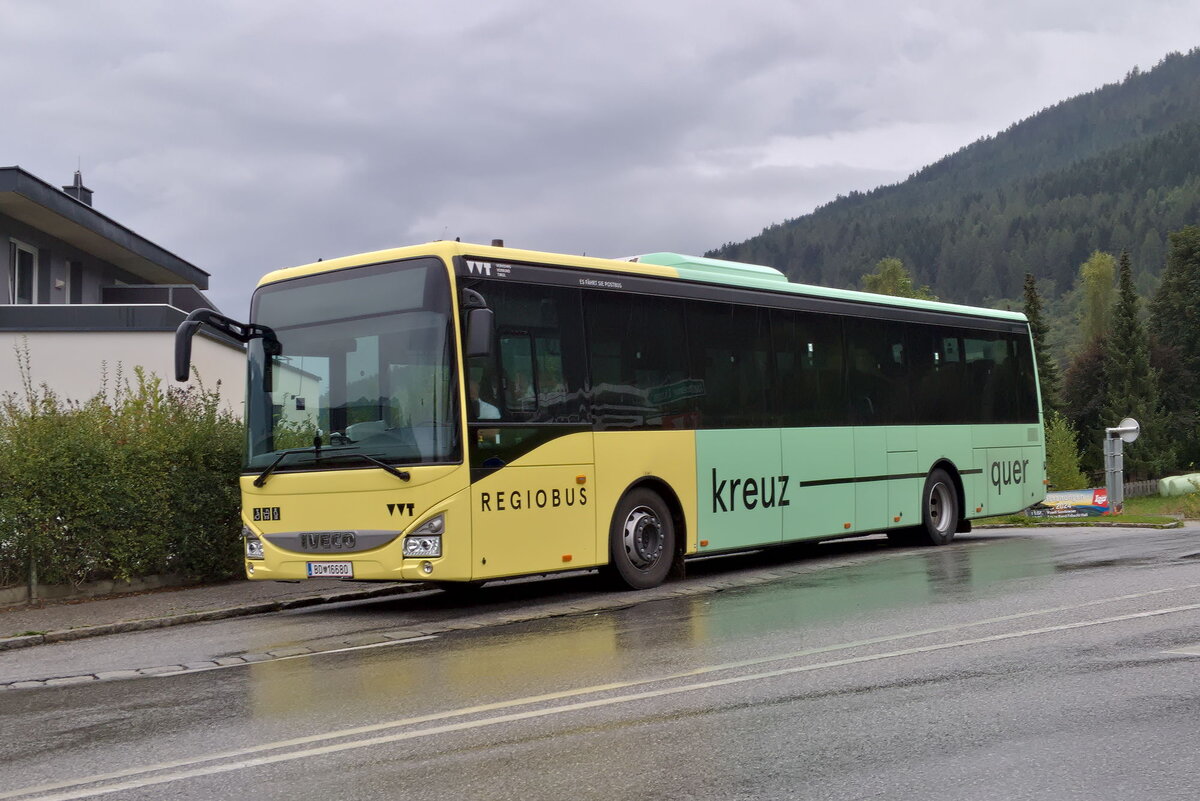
{"type": "Point", "coordinates": [1058, 664]}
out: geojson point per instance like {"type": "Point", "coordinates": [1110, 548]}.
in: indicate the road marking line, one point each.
{"type": "Point", "coordinates": [745, 663]}
{"type": "Point", "coordinates": [531, 714]}
{"type": "Point", "coordinates": [1191, 650]}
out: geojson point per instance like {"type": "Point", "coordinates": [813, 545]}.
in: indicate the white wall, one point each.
{"type": "Point", "coordinates": [72, 363]}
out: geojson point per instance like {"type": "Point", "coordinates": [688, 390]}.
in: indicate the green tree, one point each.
{"type": "Point", "coordinates": [1083, 396]}
{"type": "Point", "coordinates": [1062, 454]}
{"type": "Point", "coordinates": [1096, 296]}
{"type": "Point", "coordinates": [1175, 329]}
{"type": "Point", "coordinates": [1131, 385]}
{"type": "Point", "coordinates": [891, 278]}
{"type": "Point", "coordinates": [1048, 378]}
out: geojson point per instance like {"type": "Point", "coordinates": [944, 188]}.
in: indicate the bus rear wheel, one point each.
{"type": "Point", "coordinates": [641, 540]}
{"type": "Point", "coordinates": [939, 508]}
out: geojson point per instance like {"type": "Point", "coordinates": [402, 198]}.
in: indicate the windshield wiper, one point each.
{"type": "Point", "coordinates": [400, 474]}
{"type": "Point", "coordinates": [262, 477]}
{"type": "Point", "coordinates": [317, 451]}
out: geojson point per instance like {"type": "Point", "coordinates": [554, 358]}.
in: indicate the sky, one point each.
{"type": "Point", "coordinates": [249, 136]}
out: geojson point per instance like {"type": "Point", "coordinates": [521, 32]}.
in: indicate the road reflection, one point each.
{"type": "Point", "coordinates": [565, 652]}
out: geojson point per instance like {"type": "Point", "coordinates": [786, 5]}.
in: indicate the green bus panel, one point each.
{"type": "Point", "coordinates": [1011, 477]}
{"type": "Point", "coordinates": [904, 494]}
{"type": "Point", "coordinates": [814, 459]}
{"type": "Point", "coordinates": [741, 490]}
{"type": "Point", "coordinates": [871, 495]}
{"type": "Point", "coordinates": [763, 486]}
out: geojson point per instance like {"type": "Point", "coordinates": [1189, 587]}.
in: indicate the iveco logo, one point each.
{"type": "Point", "coordinates": [327, 540]}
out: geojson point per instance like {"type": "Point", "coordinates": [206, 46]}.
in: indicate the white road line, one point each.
{"type": "Point", "coordinates": [259, 761]}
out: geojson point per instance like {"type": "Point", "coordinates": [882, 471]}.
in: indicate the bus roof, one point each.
{"type": "Point", "coordinates": [661, 265]}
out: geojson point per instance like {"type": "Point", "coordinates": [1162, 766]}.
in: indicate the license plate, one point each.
{"type": "Point", "coordinates": [331, 570]}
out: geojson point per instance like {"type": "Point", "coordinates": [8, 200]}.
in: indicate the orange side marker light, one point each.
{"type": "Point", "coordinates": [580, 479]}
{"type": "Point", "coordinates": [703, 543]}
{"type": "Point", "coordinates": [566, 557]}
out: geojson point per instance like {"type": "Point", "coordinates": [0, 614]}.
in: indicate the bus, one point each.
{"type": "Point", "coordinates": [455, 413]}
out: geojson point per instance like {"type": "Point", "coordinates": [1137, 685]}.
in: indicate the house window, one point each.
{"type": "Point", "coordinates": [74, 282]}
{"type": "Point", "coordinates": [23, 278]}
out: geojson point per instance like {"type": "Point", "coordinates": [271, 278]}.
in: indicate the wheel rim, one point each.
{"type": "Point", "coordinates": [941, 505]}
{"type": "Point", "coordinates": [643, 537]}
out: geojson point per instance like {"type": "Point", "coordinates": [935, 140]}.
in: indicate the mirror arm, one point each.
{"type": "Point", "coordinates": [242, 332]}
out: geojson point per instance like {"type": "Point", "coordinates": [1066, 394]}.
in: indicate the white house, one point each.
{"type": "Point", "coordinates": [82, 294]}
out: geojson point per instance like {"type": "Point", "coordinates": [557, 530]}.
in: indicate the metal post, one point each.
{"type": "Point", "coordinates": [1114, 471]}
{"type": "Point", "coordinates": [1114, 460]}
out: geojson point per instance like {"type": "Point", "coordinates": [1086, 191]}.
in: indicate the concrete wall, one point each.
{"type": "Point", "coordinates": [73, 363]}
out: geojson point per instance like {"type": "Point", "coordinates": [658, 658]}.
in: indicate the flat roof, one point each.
{"type": "Point", "coordinates": [31, 200]}
{"type": "Point", "coordinates": [659, 265]}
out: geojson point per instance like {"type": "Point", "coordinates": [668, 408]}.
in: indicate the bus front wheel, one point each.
{"type": "Point", "coordinates": [939, 508]}
{"type": "Point", "coordinates": [641, 540]}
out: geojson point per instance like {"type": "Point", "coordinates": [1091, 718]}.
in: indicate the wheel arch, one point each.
{"type": "Point", "coordinates": [959, 488]}
{"type": "Point", "coordinates": [665, 491]}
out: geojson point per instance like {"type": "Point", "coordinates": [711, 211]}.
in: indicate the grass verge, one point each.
{"type": "Point", "coordinates": [1153, 510]}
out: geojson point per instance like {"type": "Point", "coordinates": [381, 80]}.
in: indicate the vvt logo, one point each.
{"type": "Point", "coordinates": [479, 268]}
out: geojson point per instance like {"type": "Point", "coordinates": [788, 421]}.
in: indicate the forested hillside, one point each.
{"type": "Point", "coordinates": [1115, 169]}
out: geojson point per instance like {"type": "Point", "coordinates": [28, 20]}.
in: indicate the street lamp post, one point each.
{"type": "Point", "coordinates": [1114, 460]}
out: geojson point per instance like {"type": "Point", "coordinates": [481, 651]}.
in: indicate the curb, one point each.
{"type": "Point", "coordinates": [84, 632]}
{"type": "Point", "coordinates": [1097, 524]}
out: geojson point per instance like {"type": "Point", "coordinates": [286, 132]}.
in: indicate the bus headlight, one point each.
{"type": "Point", "coordinates": [426, 540]}
{"type": "Point", "coordinates": [254, 546]}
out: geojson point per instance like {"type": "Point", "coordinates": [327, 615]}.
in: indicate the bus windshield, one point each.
{"type": "Point", "coordinates": [362, 362]}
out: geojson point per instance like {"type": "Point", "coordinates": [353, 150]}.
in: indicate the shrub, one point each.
{"type": "Point", "coordinates": [1062, 454]}
{"type": "Point", "coordinates": [139, 483]}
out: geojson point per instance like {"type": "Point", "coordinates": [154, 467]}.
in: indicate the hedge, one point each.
{"type": "Point", "coordinates": [137, 482]}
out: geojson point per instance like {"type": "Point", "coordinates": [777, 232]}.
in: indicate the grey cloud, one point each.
{"type": "Point", "coordinates": [247, 137]}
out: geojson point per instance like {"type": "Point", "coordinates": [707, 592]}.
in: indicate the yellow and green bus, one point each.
{"type": "Point", "coordinates": [457, 413]}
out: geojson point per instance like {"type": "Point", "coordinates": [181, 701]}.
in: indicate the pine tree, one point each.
{"type": "Point", "coordinates": [1175, 329]}
{"type": "Point", "coordinates": [1048, 377]}
{"type": "Point", "coordinates": [1131, 386]}
{"type": "Point", "coordinates": [1083, 397]}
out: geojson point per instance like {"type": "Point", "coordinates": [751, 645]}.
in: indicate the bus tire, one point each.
{"type": "Point", "coordinates": [641, 540]}
{"type": "Point", "coordinates": [939, 508]}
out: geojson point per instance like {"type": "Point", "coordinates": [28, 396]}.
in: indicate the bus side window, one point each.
{"type": "Point", "coordinates": [731, 354]}
{"type": "Point", "coordinates": [638, 352]}
{"type": "Point", "coordinates": [540, 363]}
{"type": "Point", "coordinates": [936, 375]}
{"type": "Point", "coordinates": [548, 363]}
{"type": "Point", "coordinates": [516, 360]}
{"type": "Point", "coordinates": [482, 397]}
{"type": "Point", "coordinates": [878, 372]}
